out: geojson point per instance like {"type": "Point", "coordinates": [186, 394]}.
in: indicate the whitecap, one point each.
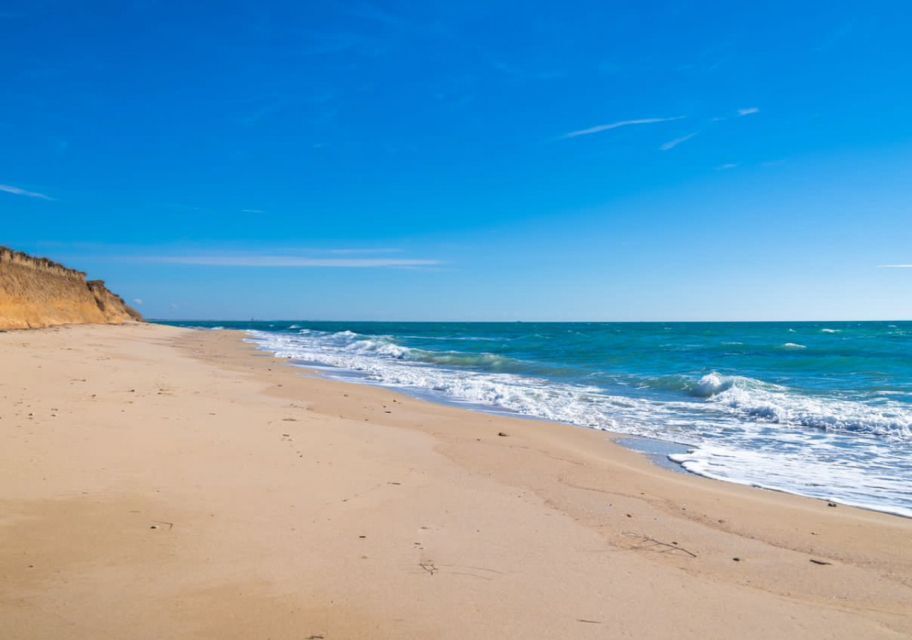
{"type": "Point", "coordinates": [713, 383]}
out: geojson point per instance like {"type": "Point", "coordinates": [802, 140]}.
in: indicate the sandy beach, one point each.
{"type": "Point", "coordinates": [158, 482]}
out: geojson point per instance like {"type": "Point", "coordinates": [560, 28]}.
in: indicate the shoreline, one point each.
{"type": "Point", "coordinates": [185, 480]}
{"type": "Point", "coordinates": [654, 449]}
{"type": "Point", "coordinates": [658, 450]}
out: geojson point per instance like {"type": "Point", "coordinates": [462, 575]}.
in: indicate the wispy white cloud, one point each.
{"type": "Point", "coordinates": [740, 113]}
{"type": "Point", "coordinates": [298, 262]}
{"type": "Point", "coordinates": [138, 301]}
{"type": "Point", "coordinates": [727, 166]}
{"type": "Point", "coordinates": [617, 125]}
{"type": "Point", "coordinates": [252, 211]}
{"type": "Point", "coordinates": [894, 266]}
{"type": "Point", "coordinates": [16, 191]}
{"type": "Point", "coordinates": [671, 144]}
{"type": "Point", "coordinates": [345, 251]}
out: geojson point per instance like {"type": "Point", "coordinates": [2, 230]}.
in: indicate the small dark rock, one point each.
{"type": "Point", "coordinates": [502, 434]}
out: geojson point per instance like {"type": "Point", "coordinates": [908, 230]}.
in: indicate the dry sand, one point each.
{"type": "Point", "coordinates": [165, 483]}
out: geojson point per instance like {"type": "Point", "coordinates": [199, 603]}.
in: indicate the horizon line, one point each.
{"type": "Point", "coordinates": [160, 320]}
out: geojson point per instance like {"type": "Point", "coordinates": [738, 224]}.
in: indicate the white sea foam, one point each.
{"type": "Point", "coordinates": [793, 346]}
{"type": "Point", "coordinates": [754, 400]}
{"type": "Point", "coordinates": [740, 429]}
{"type": "Point", "coordinates": [790, 471]}
{"type": "Point", "coordinates": [713, 383]}
{"type": "Point", "coordinates": [825, 330]}
{"type": "Point", "coordinates": [776, 405]}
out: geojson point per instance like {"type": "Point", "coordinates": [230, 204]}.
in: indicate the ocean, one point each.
{"type": "Point", "coordinates": [817, 409]}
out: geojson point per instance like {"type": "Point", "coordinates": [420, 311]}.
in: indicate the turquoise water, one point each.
{"type": "Point", "coordinates": [819, 409]}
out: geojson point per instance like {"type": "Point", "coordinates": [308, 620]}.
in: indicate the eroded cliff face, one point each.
{"type": "Point", "coordinates": [36, 292]}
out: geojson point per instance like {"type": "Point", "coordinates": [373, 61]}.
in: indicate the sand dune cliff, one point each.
{"type": "Point", "coordinates": [37, 292]}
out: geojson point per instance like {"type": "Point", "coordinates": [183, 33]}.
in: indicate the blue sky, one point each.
{"type": "Point", "coordinates": [471, 160]}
